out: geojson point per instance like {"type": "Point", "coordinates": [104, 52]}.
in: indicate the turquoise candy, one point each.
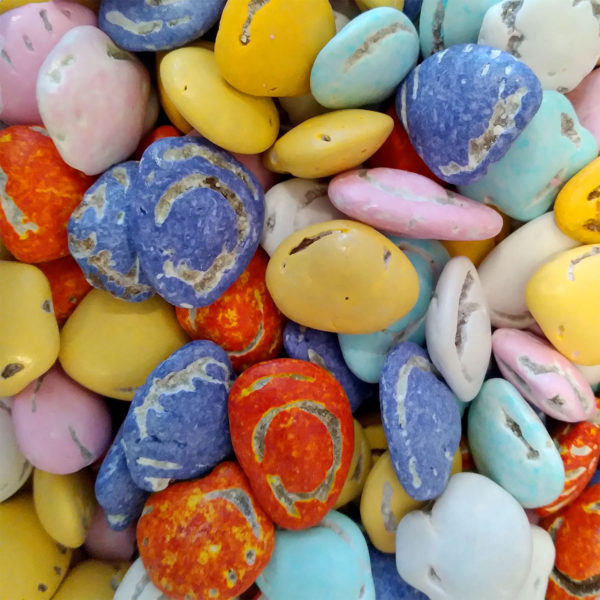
{"type": "Point", "coordinates": [553, 147]}
{"type": "Point", "coordinates": [445, 23]}
{"type": "Point", "coordinates": [510, 445]}
{"type": "Point", "coordinates": [365, 353]}
{"type": "Point", "coordinates": [327, 562]}
{"type": "Point", "coordinates": [366, 60]}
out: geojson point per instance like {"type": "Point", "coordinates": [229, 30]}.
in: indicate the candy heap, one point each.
{"type": "Point", "coordinates": [298, 300]}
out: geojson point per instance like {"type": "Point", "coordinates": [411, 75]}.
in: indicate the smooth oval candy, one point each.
{"type": "Point", "coordinates": [110, 346]}
{"type": "Point", "coordinates": [511, 446]}
{"type": "Point", "coordinates": [92, 576]}
{"type": "Point", "coordinates": [542, 560]}
{"type": "Point", "coordinates": [29, 338]}
{"type": "Point", "coordinates": [331, 275]}
{"type": "Point", "coordinates": [569, 279]}
{"type": "Point", "coordinates": [136, 584]}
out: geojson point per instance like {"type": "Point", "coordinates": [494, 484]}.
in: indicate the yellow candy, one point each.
{"type": "Point", "coordinates": [328, 144]}
{"type": "Point", "coordinates": [563, 297]}
{"type": "Point", "coordinates": [577, 206]}
{"type": "Point", "coordinates": [92, 580]}
{"type": "Point", "coordinates": [32, 563]}
{"type": "Point", "coordinates": [110, 346]}
{"type": "Point", "coordinates": [342, 276]}
{"type": "Point", "coordinates": [359, 468]}
{"type": "Point", "coordinates": [268, 48]}
{"type": "Point", "coordinates": [29, 338]}
{"type": "Point", "coordinates": [301, 108]}
{"type": "Point", "coordinates": [167, 104]}
{"type": "Point", "coordinates": [369, 4]}
{"type": "Point", "coordinates": [229, 118]}
{"type": "Point", "coordinates": [65, 505]}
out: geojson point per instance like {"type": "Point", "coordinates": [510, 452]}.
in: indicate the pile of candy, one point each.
{"type": "Point", "coordinates": [298, 299]}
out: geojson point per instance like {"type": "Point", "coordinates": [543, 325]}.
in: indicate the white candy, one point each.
{"type": "Point", "coordinates": [591, 373]}
{"type": "Point", "coordinates": [542, 561]}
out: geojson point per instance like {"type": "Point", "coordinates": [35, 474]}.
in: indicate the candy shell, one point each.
{"type": "Point", "coordinates": [91, 577]}
{"type": "Point", "coordinates": [103, 543]}
{"type": "Point", "coordinates": [136, 584]}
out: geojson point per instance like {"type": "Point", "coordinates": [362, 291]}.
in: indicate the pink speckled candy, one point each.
{"type": "Point", "coordinates": [27, 34]}
{"type": "Point", "coordinates": [585, 98]}
{"type": "Point", "coordinates": [60, 426]}
{"type": "Point", "coordinates": [103, 543]}
{"type": "Point", "coordinates": [543, 376]}
{"type": "Point", "coordinates": [411, 205]}
{"type": "Point", "coordinates": [92, 98]}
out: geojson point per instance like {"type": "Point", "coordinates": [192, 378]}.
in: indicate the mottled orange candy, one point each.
{"type": "Point", "coordinates": [292, 432]}
{"type": "Point", "coordinates": [39, 193]}
{"type": "Point", "coordinates": [206, 539]}
{"type": "Point", "coordinates": [68, 285]}
{"type": "Point", "coordinates": [244, 321]}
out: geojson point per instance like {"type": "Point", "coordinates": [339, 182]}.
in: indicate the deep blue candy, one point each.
{"type": "Point", "coordinates": [99, 236]}
{"type": "Point", "coordinates": [177, 426]}
{"type": "Point", "coordinates": [388, 583]}
{"type": "Point", "coordinates": [463, 108]}
{"type": "Point", "coordinates": [323, 348]}
{"type": "Point", "coordinates": [197, 216]}
{"type": "Point", "coordinates": [420, 419]}
{"type": "Point", "coordinates": [412, 8]}
{"type": "Point", "coordinates": [116, 492]}
{"type": "Point", "coordinates": [147, 25]}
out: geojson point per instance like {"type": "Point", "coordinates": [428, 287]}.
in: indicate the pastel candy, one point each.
{"type": "Point", "coordinates": [146, 26]}
{"type": "Point", "coordinates": [543, 376]}
{"type": "Point", "coordinates": [409, 204]}
{"type": "Point", "coordinates": [103, 543]}
{"type": "Point", "coordinates": [84, 57]}
{"type": "Point", "coordinates": [388, 583]}
{"type": "Point", "coordinates": [458, 329]}
{"type": "Point", "coordinates": [563, 147]}
{"type": "Point", "coordinates": [365, 61]}
{"type": "Point", "coordinates": [422, 436]}
{"type": "Point", "coordinates": [542, 561]}
{"type": "Point", "coordinates": [101, 577]}
{"type": "Point", "coordinates": [176, 427]}
{"type": "Point", "coordinates": [453, 552]}
{"type": "Point", "coordinates": [505, 271]}
{"type": "Point", "coordinates": [510, 445]}
{"type": "Point", "coordinates": [136, 581]}
{"type": "Point", "coordinates": [190, 189]}
{"type": "Point", "coordinates": [335, 561]}
{"type": "Point", "coordinates": [524, 28]}
{"type": "Point", "coordinates": [464, 107]}
{"type": "Point", "coordinates": [99, 236]}
{"type": "Point", "coordinates": [584, 100]}
{"type": "Point", "coordinates": [28, 34]}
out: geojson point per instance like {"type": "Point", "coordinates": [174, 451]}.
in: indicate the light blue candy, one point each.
{"type": "Point", "coordinates": [326, 562]}
{"type": "Point", "coordinates": [554, 146]}
{"type": "Point", "coordinates": [366, 60]}
{"type": "Point", "coordinates": [445, 23]}
{"type": "Point", "coordinates": [510, 445]}
{"type": "Point", "coordinates": [365, 353]}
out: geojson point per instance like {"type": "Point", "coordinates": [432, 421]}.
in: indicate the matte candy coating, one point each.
{"type": "Point", "coordinates": [102, 543]}
{"type": "Point", "coordinates": [14, 467]}
{"type": "Point", "coordinates": [583, 98]}
{"type": "Point", "coordinates": [388, 583]}
{"type": "Point", "coordinates": [100, 578]}
{"type": "Point", "coordinates": [136, 581]}
{"type": "Point", "coordinates": [292, 432]}
{"type": "Point", "coordinates": [329, 276]}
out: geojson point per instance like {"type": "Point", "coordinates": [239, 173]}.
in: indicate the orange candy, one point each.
{"type": "Point", "coordinates": [39, 193]}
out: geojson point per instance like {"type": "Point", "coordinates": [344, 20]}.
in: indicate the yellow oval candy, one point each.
{"type": "Point", "coordinates": [577, 206]}
{"type": "Point", "coordinates": [172, 113]}
{"type": "Point", "coordinates": [563, 298]}
{"type": "Point", "coordinates": [110, 346]}
{"type": "Point", "coordinates": [268, 48]}
{"type": "Point", "coordinates": [341, 276]}
{"type": "Point", "coordinates": [329, 144]}
{"type": "Point", "coordinates": [359, 468]}
{"type": "Point", "coordinates": [301, 108]}
{"type": "Point", "coordinates": [29, 338]}
{"type": "Point", "coordinates": [92, 580]}
{"type": "Point", "coordinates": [65, 505]}
{"type": "Point", "coordinates": [373, 430]}
{"type": "Point", "coordinates": [369, 4]}
{"type": "Point", "coordinates": [231, 119]}
{"type": "Point", "coordinates": [32, 564]}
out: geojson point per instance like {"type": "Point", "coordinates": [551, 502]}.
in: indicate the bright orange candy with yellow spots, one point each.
{"type": "Point", "coordinates": [292, 432]}
{"type": "Point", "coordinates": [206, 539]}
{"type": "Point", "coordinates": [39, 191]}
{"type": "Point", "coordinates": [244, 321]}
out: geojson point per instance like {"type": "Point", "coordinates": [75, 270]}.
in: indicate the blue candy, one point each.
{"type": "Point", "coordinates": [177, 426]}
{"type": "Point", "coordinates": [463, 108]}
{"type": "Point", "coordinates": [144, 25]}
{"type": "Point", "coordinates": [412, 9]}
{"type": "Point", "coordinates": [388, 583]}
{"type": "Point", "coordinates": [421, 421]}
{"type": "Point", "coordinates": [99, 236]}
{"type": "Point", "coordinates": [197, 216]}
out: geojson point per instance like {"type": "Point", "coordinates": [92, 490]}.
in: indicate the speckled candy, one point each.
{"type": "Point", "coordinates": [176, 427]}
{"type": "Point", "coordinates": [422, 436]}
{"type": "Point", "coordinates": [292, 432]}
{"type": "Point", "coordinates": [197, 217]}
{"type": "Point", "coordinates": [464, 107]}
{"type": "Point", "coordinates": [99, 236]}
{"type": "Point", "coordinates": [217, 516]}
